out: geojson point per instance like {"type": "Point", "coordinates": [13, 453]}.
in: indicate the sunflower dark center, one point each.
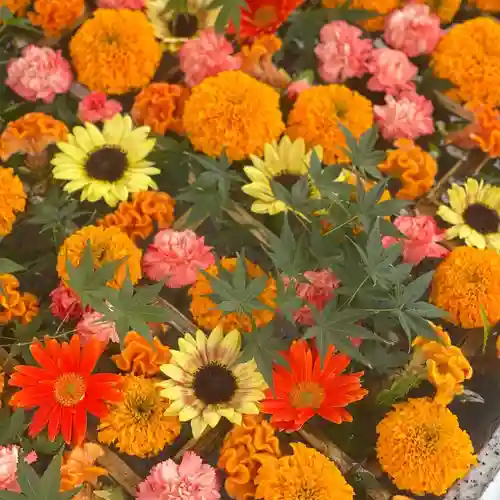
{"type": "Point", "coordinates": [481, 218]}
{"type": "Point", "coordinates": [183, 25]}
{"type": "Point", "coordinates": [214, 384]}
{"type": "Point", "coordinates": [106, 164]}
{"type": "Point", "coordinates": [288, 180]}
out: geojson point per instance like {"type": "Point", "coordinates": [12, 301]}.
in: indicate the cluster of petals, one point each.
{"type": "Point", "coordinates": [9, 458]}
{"type": "Point", "coordinates": [295, 88]}
{"type": "Point", "coordinates": [92, 325]}
{"type": "Point", "coordinates": [96, 107]}
{"type": "Point", "coordinates": [65, 304]}
{"type": "Point", "coordinates": [121, 4]}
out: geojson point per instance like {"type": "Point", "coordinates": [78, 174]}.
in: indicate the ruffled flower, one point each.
{"type": "Point", "coordinates": [12, 199]}
{"type": "Point", "coordinates": [22, 307]}
{"type": "Point", "coordinates": [121, 4]}
{"type": "Point", "coordinates": [96, 107]}
{"type": "Point", "coordinates": [54, 16]}
{"type": "Point", "coordinates": [444, 9]}
{"type": "Point", "coordinates": [342, 53]}
{"type": "Point", "coordinates": [487, 131]}
{"type": "Point", "coordinates": [40, 73]}
{"type": "Point", "coordinates": [92, 326]}
{"type": "Point", "coordinates": [66, 304]}
{"type": "Point", "coordinates": [79, 467]}
{"type": "Point", "coordinates": [9, 458]}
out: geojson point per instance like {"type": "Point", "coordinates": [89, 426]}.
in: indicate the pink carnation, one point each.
{"type": "Point", "coordinates": [91, 325]}
{"type": "Point", "coordinates": [295, 88]}
{"type": "Point", "coordinates": [392, 71]}
{"type": "Point", "coordinates": [9, 458]}
{"type": "Point", "coordinates": [95, 107]}
{"type": "Point", "coordinates": [341, 52]}
{"type": "Point", "coordinates": [423, 238]}
{"type": "Point", "coordinates": [413, 29]}
{"type": "Point", "coordinates": [191, 480]}
{"type": "Point", "coordinates": [176, 257]}
{"type": "Point", "coordinates": [40, 73]}
{"type": "Point", "coordinates": [409, 116]}
{"type": "Point", "coordinates": [121, 4]}
{"type": "Point", "coordinates": [206, 56]}
{"type": "Point", "coordinates": [65, 304]}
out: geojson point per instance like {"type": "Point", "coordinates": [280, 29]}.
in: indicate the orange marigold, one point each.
{"type": "Point", "coordinates": [141, 357]}
{"type": "Point", "coordinates": [246, 447]}
{"type": "Point", "coordinates": [414, 167]}
{"type": "Point", "coordinates": [204, 309]}
{"type": "Point", "coordinates": [17, 7]}
{"type": "Point", "coordinates": [31, 134]}
{"type": "Point", "coordinates": [135, 218]}
{"type": "Point", "coordinates": [469, 56]}
{"type": "Point", "coordinates": [12, 199]}
{"type": "Point", "coordinates": [53, 16]}
{"type": "Point", "coordinates": [486, 130]}
{"type": "Point", "coordinates": [444, 9]}
{"type": "Point", "coordinates": [232, 113]}
{"type": "Point", "coordinates": [107, 245]}
{"type": "Point", "coordinates": [468, 279]}
{"type": "Point", "coordinates": [115, 51]}
{"type": "Point", "coordinates": [16, 306]}
{"type": "Point", "coordinates": [486, 5]}
{"type": "Point", "coordinates": [316, 114]}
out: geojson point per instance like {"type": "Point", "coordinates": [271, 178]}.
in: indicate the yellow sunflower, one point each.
{"type": "Point", "coordinates": [108, 164]}
{"type": "Point", "coordinates": [207, 383]}
{"type": "Point", "coordinates": [285, 163]}
{"type": "Point", "coordinates": [474, 213]}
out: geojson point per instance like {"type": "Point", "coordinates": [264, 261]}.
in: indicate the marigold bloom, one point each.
{"type": "Point", "coordinates": [232, 113]}
{"type": "Point", "coordinates": [316, 114]}
{"type": "Point", "coordinates": [14, 305]}
{"type": "Point", "coordinates": [305, 472]}
{"type": "Point", "coordinates": [92, 325]}
{"type": "Point", "coordinates": [107, 245]}
{"type": "Point", "coordinates": [66, 304]}
{"type": "Point", "coordinates": [12, 199]}
{"type": "Point", "coordinates": [9, 460]}
{"type": "Point", "coordinates": [17, 7]}
{"type": "Point", "coordinates": [138, 425]}
{"type": "Point", "coordinates": [96, 107]}
{"type": "Point", "coordinates": [246, 447]}
{"type": "Point", "coordinates": [465, 281]}
{"type": "Point", "coordinates": [78, 466]}
{"type": "Point", "coordinates": [421, 446]}
{"type": "Point", "coordinates": [121, 4]}
{"type": "Point", "coordinates": [63, 388]}
{"type": "Point", "coordinates": [486, 5]}
{"type": "Point", "coordinates": [115, 51]}
{"type": "Point", "coordinates": [486, 132]}
{"type": "Point", "coordinates": [444, 9]}
{"type": "Point", "coordinates": [54, 16]}
{"type": "Point", "coordinates": [204, 309]}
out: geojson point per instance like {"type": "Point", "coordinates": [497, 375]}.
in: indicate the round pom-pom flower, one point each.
{"type": "Point", "coordinates": [12, 199]}
{"type": "Point", "coordinates": [54, 16]}
{"type": "Point", "coordinates": [96, 107]}
{"type": "Point", "coordinates": [92, 325]}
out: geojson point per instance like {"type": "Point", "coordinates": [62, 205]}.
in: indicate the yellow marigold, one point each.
{"type": "Point", "coordinates": [53, 16]}
{"type": "Point", "coordinates": [135, 218]}
{"type": "Point", "coordinates": [115, 51]}
{"type": "Point", "coordinates": [445, 9]}
{"type": "Point", "coordinates": [414, 167]}
{"type": "Point", "coordinates": [232, 113]}
{"type": "Point", "coordinates": [447, 367]}
{"type": "Point", "coordinates": [305, 475]}
{"type": "Point", "coordinates": [204, 309]}
{"type": "Point", "coordinates": [421, 446]}
{"type": "Point", "coordinates": [79, 467]}
{"type": "Point", "coordinates": [17, 7]}
{"type": "Point", "coordinates": [486, 5]}
{"type": "Point", "coordinates": [468, 279]}
{"type": "Point", "coordinates": [138, 425]}
{"type": "Point", "coordinates": [14, 305]}
{"type": "Point", "coordinates": [31, 134]}
{"type": "Point", "coordinates": [160, 106]}
{"type": "Point", "coordinates": [140, 357]}
{"type": "Point", "coordinates": [244, 450]}
{"type": "Point", "coordinates": [107, 245]}
{"type": "Point", "coordinates": [486, 130]}
{"type": "Point", "coordinates": [12, 199]}
{"type": "Point", "coordinates": [469, 57]}
{"type": "Point", "coordinates": [316, 114]}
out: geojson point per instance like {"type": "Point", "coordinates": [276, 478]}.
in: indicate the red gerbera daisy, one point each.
{"type": "Point", "coordinates": [63, 388]}
{"type": "Point", "coordinates": [307, 389]}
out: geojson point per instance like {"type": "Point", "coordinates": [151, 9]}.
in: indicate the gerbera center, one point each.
{"type": "Point", "coordinates": [69, 389]}
{"type": "Point", "coordinates": [307, 395]}
{"type": "Point", "coordinates": [483, 219]}
{"type": "Point", "coordinates": [106, 164]}
{"type": "Point", "coordinates": [183, 25]}
{"type": "Point", "coordinates": [214, 384]}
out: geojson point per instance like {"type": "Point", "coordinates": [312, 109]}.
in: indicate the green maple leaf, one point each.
{"type": "Point", "coordinates": [230, 12]}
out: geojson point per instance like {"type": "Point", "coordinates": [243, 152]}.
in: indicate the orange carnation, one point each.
{"type": "Point", "coordinates": [53, 16]}
{"type": "Point", "coordinates": [16, 306]}
{"type": "Point", "coordinates": [12, 199]}
{"type": "Point", "coordinates": [414, 167]}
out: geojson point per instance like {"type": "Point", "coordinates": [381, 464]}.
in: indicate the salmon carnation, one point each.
{"type": "Point", "coordinates": [115, 51]}
{"type": "Point", "coordinates": [316, 114]}
{"type": "Point", "coordinates": [9, 460]}
{"type": "Point", "coordinates": [66, 304]}
{"type": "Point", "coordinates": [444, 9]}
{"type": "Point", "coordinates": [92, 325]}
{"type": "Point", "coordinates": [22, 307]}
{"type": "Point", "coordinates": [12, 199]}
{"type": "Point", "coordinates": [96, 107]}
{"type": "Point", "coordinates": [54, 16]}
{"type": "Point", "coordinates": [232, 113]}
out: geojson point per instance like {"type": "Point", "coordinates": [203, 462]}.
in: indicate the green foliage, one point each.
{"type": "Point", "coordinates": [486, 326]}
{"type": "Point", "coordinates": [110, 494]}
{"type": "Point", "coordinates": [401, 385]}
{"type": "Point", "coordinates": [12, 426]}
{"type": "Point", "coordinates": [8, 266]}
{"type": "Point", "coordinates": [230, 12]}
{"type": "Point", "coordinates": [8, 20]}
{"type": "Point", "coordinates": [429, 84]}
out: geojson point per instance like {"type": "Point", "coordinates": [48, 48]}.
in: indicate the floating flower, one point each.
{"type": "Point", "coordinates": [305, 472]}
{"type": "Point", "coordinates": [311, 386]}
{"type": "Point", "coordinates": [96, 107]}
{"type": "Point", "coordinates": [54, 16]}
{"type": "Point", "coordinates": [17, 7]}
{"type": "Point", "coordinates": [141, 357]}
{"type": "Point", "coordinates": [208, 55]}
{"type": "Point", "coordinates": [66, 304]}
{"type": "Point", "coordinates": [466, 281]}
{"type": "Point", "coordinates": [342, 53]}
{"type": "Point", "coordinates": [285, 162]}
{"type": "Point", "coordinates": [191, 480]}
{"type": "Point", "coordinates": [12, 199]}
{"type": "Point", "coordinates": [409, 116]}
{"type": "Point", "coordinates": [63, 388]}
{"type": "Point", "coordinates": [138, 425]}
{"type": "Point", "coordinates": [107, 245]}
{"type": "Point", "coordinates": [204, 309]}
{"type": "Point", "coordinates": [78, 466]}
{"type": "Point", "coordinates": [246, 447]}
{"type": "Point", "coordinates": [176, 257]}
{"type": "Point", "coordinates": [232, 113]}
{"type": "Point", "coordinates": [121, 4]}
{"type": "Point", "coordinates": [474, 214]}
{"type": "Point", "coordinates": [115, 51]}
{"type": "Point", "coordinates": [316, 114]}
{"type": "Point", "coordinates": [206, 382]}
{"type": "Point", "coordinates": [22, 307]}
{"type": "Point", "coordinates": [444, 9]}
{"type": "Point", "coordinates": [421, 446]}
{"type": "Point", "coordinates": [40, 73]}
{"type": "Point", "coordinates": [413, 29]}
{"type": "Point", "coordinates": [106, 165]}
{"type": "Point", "coordinates": [92, 325]}
{"type": "Point", "coordinates": [9, 458]}
{"type": "Point", "coordinates": [422, 238]}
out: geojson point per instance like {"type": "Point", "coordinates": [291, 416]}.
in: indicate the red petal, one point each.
{"type": "Point", "coordinates": [96, 407]}
{"type": "Point", "coordinates": [70, 360]}
{"type": "Point", "coordinates": [43, 358]}
{"type": "Point", "coordinates": [32, 396]}
{"type": "Point", "coordinates": [40, 419]}
{"type": "Point", "coordinates": [55, 422]}
{"type": "Point", "coordinates": [67, 423]}
{"type": "Point", "coordinates": [90, 354]}
{"type": "Point", "coordinates": [79, 424]}
{"type": "Point", "coordinates": [33, 372]}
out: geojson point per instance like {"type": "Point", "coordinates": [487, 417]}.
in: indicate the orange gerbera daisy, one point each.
{"type": "Point", "coordinates": [63, 388]}
{"type": "Point", "coordinates": [56, 15]}
{"type": "Point", "coordinates": [311, 387]}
